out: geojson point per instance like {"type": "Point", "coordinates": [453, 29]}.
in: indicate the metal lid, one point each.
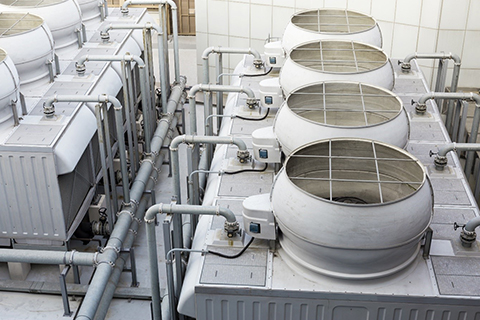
{"type": "Point", "coordinates": [15, 23]}
{"type": "Point", "coordinates": [337, 56]}
{"type": "Point", "coordinates": [333, 21]}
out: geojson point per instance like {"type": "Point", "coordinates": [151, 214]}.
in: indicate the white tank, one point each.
{"type": "Point", "coordinates": [324, 60]}
{"type": "Point", "coordinates": [63, 17]}
{"type": "Point", "coordinates": [327, 23]}
{"type": "Point", "coordinates": [351, 208]}
{"type": "Point", "coordinates": [340, 109]}
{"type": "Point", "coordinates": [9, 90]}
{"type": "Point", "coordinates": [90, 11]}
{"type": "Point", "coordinates": [29, 43]}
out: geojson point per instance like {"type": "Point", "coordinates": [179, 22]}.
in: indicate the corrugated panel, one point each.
{"type": "Point", "coordinates": [29, 190]}
{"type": "Point", "coordinates": [226, 307]}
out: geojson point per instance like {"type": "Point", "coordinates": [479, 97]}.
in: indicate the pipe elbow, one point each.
{"type": "Point", "coordinates": [423, 99]}
{"type": "Point", "coordinates": [172, 4]}
{"type": "Point", "coordinates": [193, 90]}
{"type": "Point", "coordinates": [475, 97]}
{"type": "Point", "coordinates": [227, 214]}
{"type": "Point", "coordinates": [207, 52]}
{"type": "Point", "coordinates": [456, 58]}
{"type": "Point", "coordinates": [410, 57]}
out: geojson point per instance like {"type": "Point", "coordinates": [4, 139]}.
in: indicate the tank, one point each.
{"type": "Point", "coordinates": [63, 17]}
{"type": "Point", "coordinates": [18, 30]}
{"type": "Point", "coordinates": [341, 109]}
{"type": "Point", "coordinates": [327, 23]}
{"type": "Point", "coordinates": [9, 89]}
{"type": "Point", "coordinates": [325, 60]}
{"type": "Point", "coordinates": [351, 208]}
{"type": "Point", "coordinates": [90, 11]}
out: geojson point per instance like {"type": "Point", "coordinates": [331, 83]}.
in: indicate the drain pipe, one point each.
{"type": "Point", "coordinates": [104, 34]}
{"type": "Point", "coordinates": [49, 110]}
{"type": "Point", "coordinates": [421, 105]}
{"type": "Point", "coordinates": [257, 61]}
{"type": "Point", "coordinates": [406, 67]}
{"type": "Point", "coordinates": [173, 7]}
{"type": "Point", "coordinates": [95, 296]}
{"type": "Point", "coordinates": [441, 160]}
{"type": "Point", "coordinates": [144, 85]}
{"type": "Point", "coordinates": [146, 180]}
{"type": "Point", "coordinates": [231, 226]}
{"type": "Point", "coordinates": [468, 236]}
{"type": "Point", "coordinates": [243, 155]}
{"type": "Point", "coordinates": [251, 103]}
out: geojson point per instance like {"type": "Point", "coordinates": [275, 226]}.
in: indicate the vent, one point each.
{"type": "Point", "coordinates": [341, 109]}
{"type": "Point", "coordinates": [322, 24]}
{"type": "Point", "coordinates": [336, 60]}
{"type": "Point", "coordinates": [365, 207]}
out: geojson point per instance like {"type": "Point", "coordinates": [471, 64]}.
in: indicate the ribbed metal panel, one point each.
{"type": "Point", "coordinates": [30, 193]}
{"type": "Point", "coordinates": [236, 307]}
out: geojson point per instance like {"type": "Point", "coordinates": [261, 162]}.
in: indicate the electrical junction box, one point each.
{"type": "Point", "coordinates": [271, 95]}
{"type": "Point", "coordinates": [274, 54]}
{"type": "Point", "coordinates": [258, 218]}
{"type": "Point", "coordinates": [266, 148]}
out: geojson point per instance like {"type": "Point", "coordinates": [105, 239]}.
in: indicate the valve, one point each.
{"type": "Point", "coordinates": [80, 68]}
{"type": "Point", "coordinates": [231, 228]}
{"type": "Point", "coordinates": [105, 36]}
{"type": "Point", "coordinates": [49, 111]}
{"type": "Point", "coordinates": [420, 108]}
{"type": "Point", "coordinates": [406, 66]}
{"type": "Point", "coordinates": [124, 11]}
{"type": "Point", "coordinates": [252, 103]}
{"type": "Point", "coordinates": [243, 156]}
{"type": "Point", "coordinates": [440, 162]}
{"type": "Point", "coordinates": [258, 63]}
{"type": "Point", "coordinates": [466, 237]}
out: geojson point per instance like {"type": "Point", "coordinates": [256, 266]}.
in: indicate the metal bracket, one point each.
{"type": "Point", "coordinates": [63, 287]}
{"type": "Point", "coordinates": [428, 243]}
{"type": "Point", "coordinates": [133, 266]}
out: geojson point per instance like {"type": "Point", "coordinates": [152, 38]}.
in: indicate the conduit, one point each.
{"type": "Point", "coordinates": [163, 69]}
{"type": "Point", "coordinates": [231, 226]}
{"type": "Point", "coordinates": [147, 108]}
{"type": "Point", "coordinates": [173, 6]}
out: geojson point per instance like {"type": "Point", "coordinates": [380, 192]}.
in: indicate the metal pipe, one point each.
{"type": "Point", "coordinates": [231, 226]}
{"type": "Point", "coordinates": [450, 95]}
{"type": "Point", "coordinates": [441, 160]}
{"type": "Point", "coordinates": [126, 217]}
{"type": "Point", "coordinates": [119, 124]}
{"type": "Point", "coordinates": [48, 257]}
{"type": "Point", "coordinates": [173, 7]}
{"type": "Point", "coordinates": [144, 85]}
{"type": "Point", "coordinates": [257, 61]}
{"type": "Point", "coordinates": [161, 52]}
{"type": "Point", "coordinates": [251, 101]}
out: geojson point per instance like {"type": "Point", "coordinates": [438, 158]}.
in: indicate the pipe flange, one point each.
{"type": "Point", "coordinates": [124, 11]}
{"type": "Point", "coordinates": [252, 103]}
{"type": "Point", "coordinates": [258, 63]}
{"type": "Point", "coordinates": [49, 111]}
{"type": "Point", "coordinates": [231, 228]}
{"type": "Point", "coordinates": [440, 162]}
{"type": "Point", "coordinates": [80, 69]}
{"type": "Point", "coordinates": [468, 238]}
{"type": "Point", "coordinates": [105, 36]}
{"type": "Point", "coordinates": [406, 67]}
{"type": "Point", "coordinates": [243, 156]}
{"type": "Point", "coordinates": [420, 108]}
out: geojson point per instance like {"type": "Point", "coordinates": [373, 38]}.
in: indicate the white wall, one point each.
{"type": "Point", "coordinates": [407, 26]}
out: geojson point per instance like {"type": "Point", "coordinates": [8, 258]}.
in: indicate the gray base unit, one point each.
{"type": "Point", "coordinates": [253, 304]}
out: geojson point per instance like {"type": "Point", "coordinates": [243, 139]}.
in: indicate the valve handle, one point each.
{"type": "Point", "coordinates": [456, 226]}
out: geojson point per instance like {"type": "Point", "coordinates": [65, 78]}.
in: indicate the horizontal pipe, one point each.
{"type": "Point", "coordinates": [48, 257]}
{"type": "Point", "coordinates": [207, 139]}
{"type": "Point", "coordinates": [442, 152]}
{"type": "Point", "coordinates": [211, 50]}
{"type": "Point", "coordinates": [472, 224]}
{"type": "Point", "coordinates": [439, 55]}
{"type": "Point", "coordinates": [126, 57]}
{"type": "Point", "coordinates": [450, 95]}
{"type": "Point", "coordinates": [188, 209]}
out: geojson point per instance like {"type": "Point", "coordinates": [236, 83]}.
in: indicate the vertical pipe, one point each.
{"type": "Point", "coordinates": [145, 105]}
{"type": "Point", "coordinates": [153, 265]}
{"type": "Point", "coordinates": [121, 151]}
{"type": "Point", "coordinates": [173, 6]}
{"type": "Point", "coordinates": [219, 93]}
{"type": "Point", "coordinates": [110, 156]}
{"type": "Point", "coordinates": [101, 145]}
{"type": "Point", "coordinates": [165, 44]}
{"type": "Point", "coordinates": [133, 118]}
{"type": "Point", "coordinates": [128, 107]}
{"type": "Point", "coordinates": [473, 139]}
